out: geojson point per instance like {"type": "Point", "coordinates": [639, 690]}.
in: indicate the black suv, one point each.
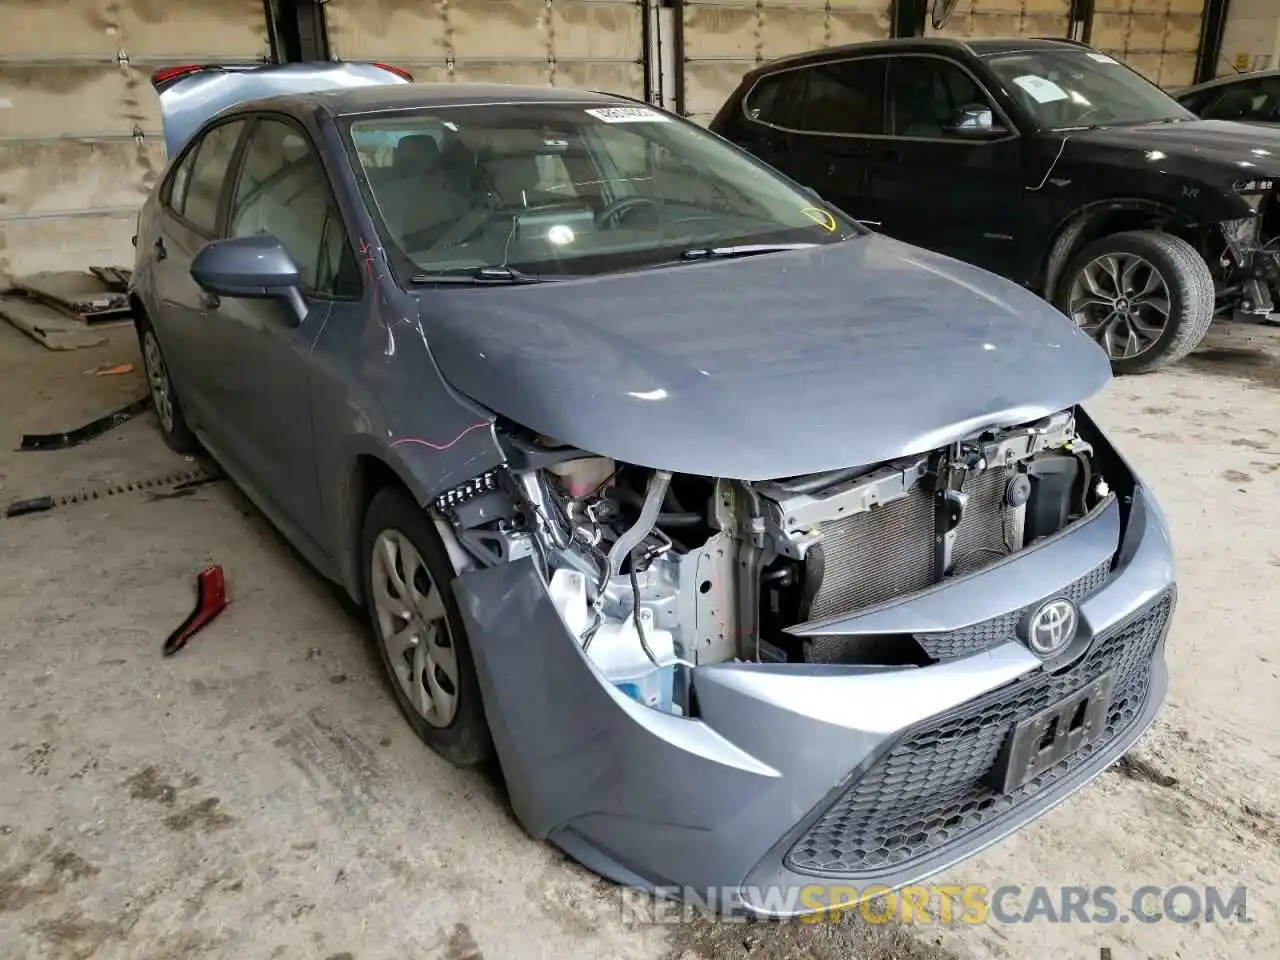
{"type": "Point", "coordinates": [1045, 161]}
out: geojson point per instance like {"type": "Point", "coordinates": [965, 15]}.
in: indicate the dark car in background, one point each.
{"type": "Point", "coordinates": [1045, 161]}
{"type": "Point", "coordinates": [1246, 97]}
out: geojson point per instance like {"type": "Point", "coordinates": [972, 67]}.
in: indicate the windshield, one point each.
{"type": "Point", "coordinates": [572, 189]}
{"type": "Point", "coordinates": [1064, 88]}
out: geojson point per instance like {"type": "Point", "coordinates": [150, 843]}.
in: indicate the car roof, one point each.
{"type": "Point", "coordinates": [1229, 80]}
{"type": "Point", "coordinates": [352, 101]}
{"type": "Point", "coordinates": [977, 47]}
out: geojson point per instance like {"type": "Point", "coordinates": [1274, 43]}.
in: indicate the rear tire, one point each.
{"type": "Point", "coordinates": [164, 398]}
{"type": "Point", "coordinates": [418, 630]}
{"type": "Point", "coordinates": [1147, 298]}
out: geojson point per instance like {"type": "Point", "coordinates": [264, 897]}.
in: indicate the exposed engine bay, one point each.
{"type": "Point", "coordinates": [656, 573]}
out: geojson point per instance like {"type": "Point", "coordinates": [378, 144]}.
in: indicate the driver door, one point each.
{"type": "Point", "coordinates": [938, 186]}
{"type": "Point", "coordinates": [262, 350]}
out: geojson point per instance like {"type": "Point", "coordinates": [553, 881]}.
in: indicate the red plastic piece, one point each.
{"type": "Point", "coordinates": [162, 78]}
{"type": "Point", "coordinates": [400, 72]}
{"type": "Point", "coordinates": [211, 598]}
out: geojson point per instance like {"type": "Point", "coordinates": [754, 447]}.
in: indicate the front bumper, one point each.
{"type": "Point", "coordinates": [805, 776]}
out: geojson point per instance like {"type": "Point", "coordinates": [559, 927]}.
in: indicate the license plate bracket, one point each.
{"type": "Point", "coordinates": [1055, 733]}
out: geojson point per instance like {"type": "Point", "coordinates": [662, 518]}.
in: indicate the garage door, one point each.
{"type": "Point", "coordinates": [1158, 38]}
{"type": "Point", "coordinates": [1006, 18]}
{"type": "Point", "coordinates": [590, 44]}
{"type": "Point", "coordinates": [80, 135]}
{"type": "Point", "coordinates": [723, 40]}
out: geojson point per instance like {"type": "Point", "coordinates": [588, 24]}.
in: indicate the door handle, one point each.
{"type": "Point", "coordinates": [161, 252]}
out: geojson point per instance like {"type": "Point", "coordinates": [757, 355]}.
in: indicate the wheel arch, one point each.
{"type": "Point", "coordinates": [366, 473]}
{"type": "Point", "coordinates": [1103, 218]}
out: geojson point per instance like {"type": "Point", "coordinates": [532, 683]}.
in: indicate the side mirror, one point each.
{"type": "Point", "coordinates": [256, 267]}
{"type": "Point", "coordinates": [975, 120]}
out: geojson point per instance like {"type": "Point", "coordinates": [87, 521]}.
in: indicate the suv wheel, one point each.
{"type": "Point", "coordinates": [164, 399]}
{"type": "Point", "coordinates": [418, 631]}
{"type": "Point", "coordinates": [1146, 297]}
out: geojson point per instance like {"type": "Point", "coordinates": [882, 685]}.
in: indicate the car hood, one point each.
{"type": "Point", "coordinates": [840, 355]}
{"type": "Point", "coordinates": [1242, 150]}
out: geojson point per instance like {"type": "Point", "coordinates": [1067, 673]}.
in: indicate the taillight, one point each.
{"type": "Point", "coordinates": [400, 72]}
{"type": "Point", "coordinates": [164, 78]}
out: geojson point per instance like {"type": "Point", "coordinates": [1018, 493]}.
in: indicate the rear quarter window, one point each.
{"type": "Point", "coordinates": [208, 174]}
{"type": "Point", "coordinates": [764, 101]}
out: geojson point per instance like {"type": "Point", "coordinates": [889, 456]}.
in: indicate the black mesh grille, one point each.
{"type": "Point", "coordinates": [980, 636]}
{"type": "Point", "coordinates": [929, 790]}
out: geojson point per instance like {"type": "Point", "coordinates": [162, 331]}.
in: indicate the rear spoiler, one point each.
{"type": "Point", "coordinates": [166, 77]}
{"type": "Point", "coordinates": [192, 93]}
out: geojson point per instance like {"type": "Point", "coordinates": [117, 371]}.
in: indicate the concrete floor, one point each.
{"type": "Point", "coordinates": [259, 796]}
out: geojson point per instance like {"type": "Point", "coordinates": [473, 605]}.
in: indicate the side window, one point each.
{"type": "Point", "coordinates": [1196, 101]}
{"type": "Point", "coordinates": [1267, 108]}
{"type": "Point", "coordinates": [766, 101]}
{"type": "Point", "coordinates": [283, 191]}
{"type": "Point", "coordinates": [845, 97]}
{"type": "Point", "coordinates": [208, 173]}
{"type": "Point", "coordinates": [926, 95]}
{"type": "Point", "coordinates": [1236, 102]}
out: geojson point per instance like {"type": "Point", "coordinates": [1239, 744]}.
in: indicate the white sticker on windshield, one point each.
{"type": "Point", "coordinates": [628, 115]}
{"type": "Point", "coordinates": [1102, 58]}
{"type": "Point", "coordinates": [1042, 90]}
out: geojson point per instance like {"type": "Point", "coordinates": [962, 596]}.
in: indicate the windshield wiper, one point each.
{"type": "Point", "coordinates": [480, 276]}
{"type": "Point", "coordinates": [741, 250]}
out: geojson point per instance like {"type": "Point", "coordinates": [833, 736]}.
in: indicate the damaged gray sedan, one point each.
{"type": "Point", "coordinates": [766, 554]}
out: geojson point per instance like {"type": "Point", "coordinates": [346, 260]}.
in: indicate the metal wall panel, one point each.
{"type": "Point", "coordinates": [724, 39]}
{"type": "Point", "coordinates": [80, 135]}
{"type": "Point", "coordinates": [1006, 18]}
{"type": "Point", "coordinates": [593, 44]}
{"type": "Point", "coordinates": [1158, 38]}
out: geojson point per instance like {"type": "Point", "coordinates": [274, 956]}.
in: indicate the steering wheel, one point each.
{"type": "Point", "coordinates": [614, 211]}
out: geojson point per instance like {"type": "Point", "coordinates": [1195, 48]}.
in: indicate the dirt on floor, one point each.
{"type": "Point", "coordinates": [258, 795]}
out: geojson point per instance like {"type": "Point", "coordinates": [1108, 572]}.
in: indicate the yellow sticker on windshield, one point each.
{"type": "Point", "coordinates": [821, 218]}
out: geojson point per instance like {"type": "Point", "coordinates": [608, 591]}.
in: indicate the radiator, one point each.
{"type": "Point", "coordinates": [889, 550]}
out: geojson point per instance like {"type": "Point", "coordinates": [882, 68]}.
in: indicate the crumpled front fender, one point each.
{"type": "Point", "coordinates": [654, 799]}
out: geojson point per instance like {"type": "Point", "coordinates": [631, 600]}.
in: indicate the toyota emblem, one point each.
{"type": "Point", "coordinates": [1052, 627]}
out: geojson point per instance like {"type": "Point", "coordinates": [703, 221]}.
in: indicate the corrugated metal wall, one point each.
{"type": "Point", "coordinates": [723, 39]}
{"type": "Point", "coordinates": [592, 44]}
{"type": "Point", "coordinates": [80, 132]}
{"type": "Point", "coordinates": [1158, 38]}
{"type": "Point", "coordinates": [1006, 18]}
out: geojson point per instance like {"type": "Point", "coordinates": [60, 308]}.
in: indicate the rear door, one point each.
{"type": "Point", "coordinates": [939, 188]}
{"type": "Point", "coordinates": [188, 219]}
{"type": "Point", "coordinates": [263, 351]}
{"type": "Point", "coordinates": [835, 116]}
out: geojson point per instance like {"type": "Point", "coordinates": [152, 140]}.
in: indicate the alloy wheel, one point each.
{"type": "Point", "coordinates": [414, 629]}
{"type": "Point", "coordinates": [1122, 301]}
{"type": "Point", "coordinates": [158, 380]}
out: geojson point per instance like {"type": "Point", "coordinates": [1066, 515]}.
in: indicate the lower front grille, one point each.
{"type": "Point", "coordinates": [929, 791]}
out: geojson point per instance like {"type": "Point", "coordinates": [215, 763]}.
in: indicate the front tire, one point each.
{"type": "Point", "coordinates": [1147, 298]}
{"type": "Point", "coordinates": [418, 631]}
{"type": "Point", "coordinates": [164, 398]}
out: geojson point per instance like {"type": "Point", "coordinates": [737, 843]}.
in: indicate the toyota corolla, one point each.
{"type": "Point", "coordinates": [763, 551]}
